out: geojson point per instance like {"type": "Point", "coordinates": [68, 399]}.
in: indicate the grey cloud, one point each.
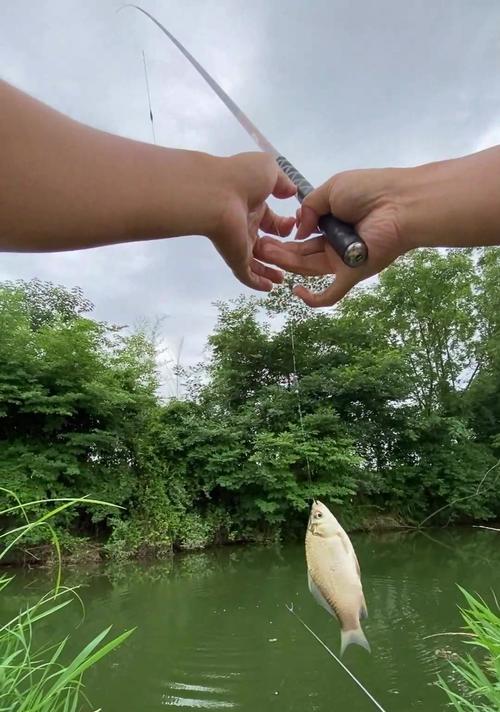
{"type": "Point", "coordinates": [335, 84]}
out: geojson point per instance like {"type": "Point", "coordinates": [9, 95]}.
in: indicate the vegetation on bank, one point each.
{"type": "Point", "coordinates": [399, 391]}
{"type": "Point", "coordinates": [475, 678]}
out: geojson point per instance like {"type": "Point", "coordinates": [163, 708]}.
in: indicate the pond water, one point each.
{"type": "Point", "coordinates": [213, 632]}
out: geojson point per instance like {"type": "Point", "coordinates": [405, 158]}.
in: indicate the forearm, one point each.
{"type": "Point", "coordinates": [64, 185]}
{"type": "Point", "coordinates": [453, 203]}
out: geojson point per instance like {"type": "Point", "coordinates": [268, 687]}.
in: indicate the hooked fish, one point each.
{"type": "Point", "coordinates": [334, 576]}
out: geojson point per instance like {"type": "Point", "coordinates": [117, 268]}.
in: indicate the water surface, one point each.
{"type": "Point", "coordinates": [213, 632]}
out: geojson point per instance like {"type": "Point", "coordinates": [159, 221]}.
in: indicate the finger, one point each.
{"type": "Point", "coordinates": [283, 188]}
{"type": "Point", "coordinates": [307, 265]}
{"type": "Point", "coordinates": [315, 204]}
{"type": "Point", "coordinates": [275, 275]}
{"type": "Point", "coordinates": [252, 279]}
{"type": "Point", "coordinates": [298, 217]}
{"type": "Point", "coordinates": [276, 224]}
{"type": "Point", "coordinates": [330, 296]}
{"type": "Point", "coordinates": [258, 276]}
{"type": "Point", "coordinates": [306, 247]}
{"type": "Point", "coordinates": [308, 222]}
{"type": "Point", "coordinates": [319, 199]}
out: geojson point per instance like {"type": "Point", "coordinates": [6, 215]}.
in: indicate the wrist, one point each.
{"type": "Point", "coordinates": [179, 193]}
{"type": "Point", "coordinates": [423, 193]}
{"type": "Point", "coordinates": [203, 193]}
{"type": "Point", "coordinates": [453, 203]}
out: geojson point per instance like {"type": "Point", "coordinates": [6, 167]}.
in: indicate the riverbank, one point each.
{"type": "Point", "coordinates": [85, 551]}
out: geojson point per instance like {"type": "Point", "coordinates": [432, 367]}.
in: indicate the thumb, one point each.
{"type": "Point", "coordinates": [350, 196]}
{"type": "Point", "coordinates": [313, 207]}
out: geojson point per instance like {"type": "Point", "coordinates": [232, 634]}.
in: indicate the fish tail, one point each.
{"type": "Point", "coordinates": [353, 637]}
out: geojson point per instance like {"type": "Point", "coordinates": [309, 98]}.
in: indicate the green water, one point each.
{"type": "Point", "coordinates": [213, 632]}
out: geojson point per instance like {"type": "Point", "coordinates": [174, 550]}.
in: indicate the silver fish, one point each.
{"type": "Point", "coordinates": [334, 576]}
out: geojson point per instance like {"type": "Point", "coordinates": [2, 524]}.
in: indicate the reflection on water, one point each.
{"type": "Point", "coordinates": [214, 633]}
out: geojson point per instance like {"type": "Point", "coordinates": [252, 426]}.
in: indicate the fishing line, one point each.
{"type": "Point", "coordinates": [291, 610]}
{"type": "Point", "coordinates": [297, 386]}
{"type": "Point", "coordinates": [177, 367]}
{"type": "Point", "coordinates": [299, 402]}
{"type": "Point", "coordinates": [149, 96]}
{"type": "Point", "coordinates": [296, 383]}
{"type": "Point", "coordinates": [302, 185]}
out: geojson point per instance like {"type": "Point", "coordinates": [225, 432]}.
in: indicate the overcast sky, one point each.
{"type": "Point", "coordinates": [334, 84]}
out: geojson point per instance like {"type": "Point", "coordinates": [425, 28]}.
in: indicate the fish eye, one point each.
{"type": "Point", "coordinates": [319, 515]}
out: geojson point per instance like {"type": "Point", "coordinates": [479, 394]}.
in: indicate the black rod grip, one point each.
{"type": "Point", "coordinates": [342, 237]}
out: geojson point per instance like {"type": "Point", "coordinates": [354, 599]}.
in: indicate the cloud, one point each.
{"type": "Point", "coordinates": [335, 84]}
{"type": "Point", "coordinates": [491, 137]}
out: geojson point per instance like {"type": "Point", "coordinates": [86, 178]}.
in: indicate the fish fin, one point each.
{"type": "Point", "coordinates": [313, 588]}
{"type": "Point", "coordinates": [353, 637]}
{"type": "Point", "coordinates": [346, 542]}
{"type": "Point", "coordinates": [357, 563]}
{"type": "Point", "coordinates": [363, 613]}
{"type": "Point", "coordinates": [349, 549]}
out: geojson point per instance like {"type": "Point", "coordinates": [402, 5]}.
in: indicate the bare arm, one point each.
{"type": "Point", "coordinates": [453, 203]}
{"type": "Point", "coordinates": [67, 186]}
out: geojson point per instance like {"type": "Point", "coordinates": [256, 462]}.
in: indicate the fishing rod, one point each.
{"type": "Point", "coordinates": [340, 235]}
{"type": "Point", "coordinates": [291, 610]}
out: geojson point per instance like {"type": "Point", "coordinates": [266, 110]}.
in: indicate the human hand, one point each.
{"type": "Point", "coordinates": [67, 186]}
{"type": "Point", "coordinates": [248, 179]}
{"type": "Point", "coordinates": [368, 199]}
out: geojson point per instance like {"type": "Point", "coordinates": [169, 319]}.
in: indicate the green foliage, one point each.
{"type": "Point", "coordinates": [390, 375]}
{"type": "Point", "coordinates": [199, 531]}
{"type": "Point", "coordinates": [76, 399]}
{"type": "Point", "coordinates": [150, 527]}
{"type": "Point", "coordinates": [34, 678]}
{"type": "Point", "coordinates": [389, 403]}
{"type": "Point", "coordinates": [476, 676]}
{"type": "Point", "coordinates": [428, 302]}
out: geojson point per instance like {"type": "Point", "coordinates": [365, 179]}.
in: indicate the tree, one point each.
{"type": "Point", "coordinates": [75, 398]}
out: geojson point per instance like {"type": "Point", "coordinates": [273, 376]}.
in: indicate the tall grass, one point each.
{"type": "Point", "coordinates": [476, 676]}
{"type": "Point", "coordinates": [43, 678]}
